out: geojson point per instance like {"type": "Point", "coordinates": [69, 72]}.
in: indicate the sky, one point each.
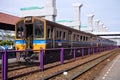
{"type": "Point", "coordinates": [107, 11]}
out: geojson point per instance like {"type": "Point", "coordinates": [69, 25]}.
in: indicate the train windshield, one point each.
{"type": "Point", "coordinates": [20, 29]}
{"type": "Point", "coordinates": [39, 28]}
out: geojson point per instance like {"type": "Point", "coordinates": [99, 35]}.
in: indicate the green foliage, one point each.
{"type": "Point", "coordinates": [9, 36]}
{"type": "Point", "coordinates": [4, 42]}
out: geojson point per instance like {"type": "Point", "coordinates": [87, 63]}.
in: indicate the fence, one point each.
{"type": "Point", "coordinates": [41, 55]}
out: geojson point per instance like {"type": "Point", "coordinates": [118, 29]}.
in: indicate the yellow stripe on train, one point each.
{"type": "Point", "coordinates": [20, 46]}
{"type": "Point", "coordinates": [38, 46]}
{"type": "Point", "coordinates": [35, 46]}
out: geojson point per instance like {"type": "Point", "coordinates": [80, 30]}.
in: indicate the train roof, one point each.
{"type": "Point", "coordinates": [67, 27]}
{"type": "Point", "coordinates": [64, 27]}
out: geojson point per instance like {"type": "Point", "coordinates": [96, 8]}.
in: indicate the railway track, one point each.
{"type": "Point", "coordinates": [19, 65]}
{"type": "Point", "coordinates": [76, 71]}
{"type": "Point", "coordinates": [56, 72]}
{"type": "Point", "coordinates": [14, 67]}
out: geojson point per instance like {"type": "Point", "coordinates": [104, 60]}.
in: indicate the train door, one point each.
{"type": "Point", "coordinates": [50, 37]}
{"type": "Point", "coordinates": [29, 36]}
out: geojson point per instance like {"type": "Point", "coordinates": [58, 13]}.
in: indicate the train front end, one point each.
{"type": "Point", "coordinates": [30, 34]}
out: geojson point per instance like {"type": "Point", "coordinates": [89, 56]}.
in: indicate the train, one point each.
{"type": "Point", "coordinates": [35, 33]}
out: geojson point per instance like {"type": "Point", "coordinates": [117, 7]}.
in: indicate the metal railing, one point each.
{"type": "Point", "coordinates": [41, 55]}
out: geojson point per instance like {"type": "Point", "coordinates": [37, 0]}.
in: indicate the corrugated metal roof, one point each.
{"type": "Point", "coordinates": [8, 19]}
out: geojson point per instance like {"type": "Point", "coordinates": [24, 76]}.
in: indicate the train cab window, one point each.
{"type": "Point", "coordinates": [39, 29]}
{"type": "Point", "coordinates": [20, 30]}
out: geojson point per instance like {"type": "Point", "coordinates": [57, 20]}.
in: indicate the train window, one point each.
{"type": "Point", "coordinates": [64, 35]}
{"type": "Point", "coordinates": [60, 34]}
{"type": "Point", "coordinates": [86, 38]}
{"type": "Point", "coordinates": [39, 29]}
{"type": "Point", "coordinates": [81, 38]}
{"type": "Point", "coordinates": [20, 30]}
{"type": "Point", "coordinates": [74, 37]}
{"type": "Point", "coordinates": [57, 34]}
{"type": "Point", "coordinates": [77, 38]}
{"type": "Point", "coordinates": [49, 33]}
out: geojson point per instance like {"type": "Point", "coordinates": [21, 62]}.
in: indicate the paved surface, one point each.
{"type": "Point", "coordinates": [111, 71]}
{"type": "Point", "coordinates": [10, 60]}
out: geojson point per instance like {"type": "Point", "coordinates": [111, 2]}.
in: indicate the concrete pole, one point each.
{"type": "Point", "coordinates": [50, 8]}
{"type": "Point", "coordinates": [90, 22]}
{"type": "Point", "coordinates": [77, 11]}
{"type": "Point", "coordinates": [96, 26]}
{"type": "Point", "coordinates": [50, 3]}
{"type": "Point", "coordinates": [104, 28]}
{"type": "Point", "coordinates": [101, 27]}
{"type": "Point", "coordinates": [107, 29]}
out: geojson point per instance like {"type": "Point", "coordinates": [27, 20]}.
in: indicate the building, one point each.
{"type": "Point", "coordinates": [7, 25]}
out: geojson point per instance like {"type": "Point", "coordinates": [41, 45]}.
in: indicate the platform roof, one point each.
{"type": "Point", "coordinates": [7, 21]}
{"type": "Point", "coordinates": [107, 33]}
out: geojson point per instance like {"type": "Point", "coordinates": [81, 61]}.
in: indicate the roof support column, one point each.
{"type": "Point", "coordinates": [77, 11]}
{"type": "Point", "coordinates": [96, 25]}
{"type": "Point", "coordinates": [50, 9]}
{"type": "Point", "coordinates": [90, 22]}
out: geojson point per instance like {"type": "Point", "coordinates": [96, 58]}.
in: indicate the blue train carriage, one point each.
{"type": "Point", "coordinates": [62, 36]}
{"type": "Point", "coordinates": [35, 33]}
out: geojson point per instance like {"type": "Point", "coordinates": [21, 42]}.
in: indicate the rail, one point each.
{"type": "Point", "coordinates": [77, 70]}
{"type": "Point", "coordinates": [41, 54]}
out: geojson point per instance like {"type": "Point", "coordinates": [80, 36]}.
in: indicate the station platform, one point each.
{"type": "Point", "coordinates": [111, 71]}
{"type": "Point", "coordinates": [9, 61]}
{"type": "Point", "coordinates": [12, 60]}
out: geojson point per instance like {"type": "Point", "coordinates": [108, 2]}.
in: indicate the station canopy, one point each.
{"type": "Point", "coordinates": [7, 22]}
